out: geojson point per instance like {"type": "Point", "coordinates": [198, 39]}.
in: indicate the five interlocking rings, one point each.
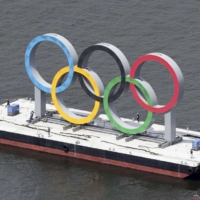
{"type": "Point", "coordinates": [93, 86]}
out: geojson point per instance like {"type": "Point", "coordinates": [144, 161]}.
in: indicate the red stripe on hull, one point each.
{"type": "Point", "coordinates": [93, 158]}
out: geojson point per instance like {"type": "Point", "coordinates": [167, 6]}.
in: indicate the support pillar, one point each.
{"type": "Point", "coordinates": [170, 125]}
{"type": "Point", "coordinates": [40, 102]}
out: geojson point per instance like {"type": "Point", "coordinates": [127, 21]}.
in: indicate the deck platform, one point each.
{"type": "Point", "coordinates": [101, 135]}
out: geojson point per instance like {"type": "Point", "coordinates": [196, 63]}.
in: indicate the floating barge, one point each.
{"type": "Point", "coordinates": [100, 142]}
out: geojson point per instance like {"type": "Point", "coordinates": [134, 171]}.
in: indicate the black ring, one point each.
{"type": "Point", "coordinates": [121, 61]}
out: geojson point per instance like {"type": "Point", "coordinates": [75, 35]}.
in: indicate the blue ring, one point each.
{"type": "Point", "coordinates": [28, 53]}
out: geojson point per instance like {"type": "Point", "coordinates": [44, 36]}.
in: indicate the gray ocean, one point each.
{"type": "Point", "coordinates": [136, 28]}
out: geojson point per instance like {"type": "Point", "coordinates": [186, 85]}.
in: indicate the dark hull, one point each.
{"type": "Point", "coordinates": [96, 155]}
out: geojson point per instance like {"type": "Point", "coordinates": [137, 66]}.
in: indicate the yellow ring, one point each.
{"type": "Point", "coordinates": [95, 110]}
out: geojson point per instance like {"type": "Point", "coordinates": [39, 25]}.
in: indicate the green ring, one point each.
{"type": "Point", "coordinates": [107, 106]}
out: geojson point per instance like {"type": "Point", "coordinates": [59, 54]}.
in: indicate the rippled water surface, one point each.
{"type": "Point", "coordinates": [137, 28]}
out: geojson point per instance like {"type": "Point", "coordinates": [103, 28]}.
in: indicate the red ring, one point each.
{"type": "Point", "coordinates": [175, 96]}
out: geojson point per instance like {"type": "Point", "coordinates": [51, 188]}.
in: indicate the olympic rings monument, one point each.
{"type": "Point", "coordinates": [130, 76]}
